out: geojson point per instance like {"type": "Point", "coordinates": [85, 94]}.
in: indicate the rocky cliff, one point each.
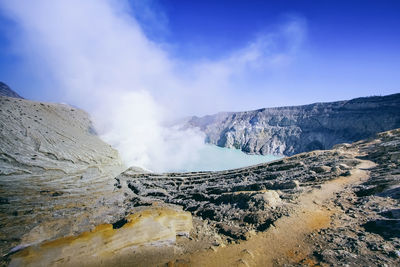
{"type": "Point", "coordinates": [6, 91]}
{"type": "Point", "coordinates": [55, 173]}
{"type": "Point", "coordinates": [291, 130]}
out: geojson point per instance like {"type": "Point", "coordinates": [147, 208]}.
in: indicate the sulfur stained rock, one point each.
{"type": "Point", "coordinates": [149, 226]}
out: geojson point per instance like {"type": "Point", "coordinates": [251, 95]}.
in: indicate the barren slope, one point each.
{"type": "Point", "coordinates": [53, 170]}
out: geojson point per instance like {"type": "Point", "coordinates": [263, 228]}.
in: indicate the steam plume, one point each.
{"type": "Point", "coordinates": [98, 56]}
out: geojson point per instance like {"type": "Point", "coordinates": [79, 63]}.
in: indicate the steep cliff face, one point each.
{"type": "Point", "coordinates": [291, 130]}
{"type": "Point", "coordinates": [55, 173]}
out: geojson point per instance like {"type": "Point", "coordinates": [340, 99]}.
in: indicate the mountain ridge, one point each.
{"type": "Point", "coordinates": [294, 129]}
{"type": "Point", "coordinates": [5, 90]}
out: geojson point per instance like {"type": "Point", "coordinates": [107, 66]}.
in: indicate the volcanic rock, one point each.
{"type": "Point", "coordinates": [291, 130]}
{"type": "Point", "coordinates": [158, 226]}
{"type": "Point", "coordinates": [56, 176]}
{"type": "Point", "coordinates": [66, 198]}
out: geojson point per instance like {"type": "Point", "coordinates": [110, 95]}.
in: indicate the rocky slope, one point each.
{"type": "Point", "coordinates": [291, 130]}
{"type": "Point", "coordinates": [54, 172]}
{"type": "Point", "coordinates": [6, 91]}
{"type": "Point", "coordinates": [66, 200]}
{"type": "Point", "coordinates": [57, 191]}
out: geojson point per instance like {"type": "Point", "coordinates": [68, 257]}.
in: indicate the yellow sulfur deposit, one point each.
{"type": "Point", "coordinates": [151, 226]}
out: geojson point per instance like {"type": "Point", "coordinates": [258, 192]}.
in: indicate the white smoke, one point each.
{"type": "Point", "coordinates": [99, 57]}
{"type": "Point", "coordinates": [133, 123]}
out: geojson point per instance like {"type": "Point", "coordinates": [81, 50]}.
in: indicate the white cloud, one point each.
{"type": "Point", "coordinates": [102, 61]}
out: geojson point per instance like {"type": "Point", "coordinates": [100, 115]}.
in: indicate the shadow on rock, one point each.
{"type": "Point", "coordinates": [387, 228]}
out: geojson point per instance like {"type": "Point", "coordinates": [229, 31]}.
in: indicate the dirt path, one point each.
{"type": "Point", "coordinates": [284, 242]}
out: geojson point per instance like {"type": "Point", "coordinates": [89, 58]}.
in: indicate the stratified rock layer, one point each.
{"type": "Point", "coordinates": [56, 175]}
{"type": "Point", "coordinates": [292, 130]}
{"type": "Point", "coordinates": [154, 225]}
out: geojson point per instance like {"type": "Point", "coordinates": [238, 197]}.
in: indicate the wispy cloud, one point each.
{"type": "Point", "coordinates": [101, 60]}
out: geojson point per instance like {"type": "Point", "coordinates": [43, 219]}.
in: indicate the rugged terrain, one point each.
{"type": "Point", "coordinates": [335, 207]}
{"type": "Point", "coordinates": [58, 194]}
{"type": "Point", "coordinates": [67, 200]}
{"type": "Point", "coordinates": [291, 130]}
{"type": "Point", "coordinates": [53, 169]}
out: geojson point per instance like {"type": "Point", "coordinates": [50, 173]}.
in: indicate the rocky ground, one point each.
{"type": "Point", "coordinates": [329, 208]}
{"type": "Point", "coordinates": [366, 229]}
{"type": "Point", "coordinates": [321, 208]}
{"type": "Point", "coordinates": [66, 200]}
{"type": "Point", "coordinates": [239, 202]}
{"type": "Point", "coordinates": [351, 220]}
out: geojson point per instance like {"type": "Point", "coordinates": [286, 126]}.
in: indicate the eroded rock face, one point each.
{"type": "Point", "coordinates": [53, 168]}
{"type": "Point", "coordinates": [157, 226]}
{"type": "Point", "coordinates": [291, 130]}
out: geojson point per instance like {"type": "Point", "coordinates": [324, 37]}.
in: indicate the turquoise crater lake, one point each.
{"type": "Point", "coordinates": [214, 158]}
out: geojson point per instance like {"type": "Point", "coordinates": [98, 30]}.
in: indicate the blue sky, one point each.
{"type": "Point", "coordinates": [218, 26]}
{"type": "Point", "coordinates": [336, 50]}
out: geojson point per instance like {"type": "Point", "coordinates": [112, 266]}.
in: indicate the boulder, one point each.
{"type": "Point", "coordinates": [271, 198]}
{"type": "Point", "coordinates": [322, 169]}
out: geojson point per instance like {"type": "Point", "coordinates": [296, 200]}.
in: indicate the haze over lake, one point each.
{"type": "Point", "coordinates": [215, 158]}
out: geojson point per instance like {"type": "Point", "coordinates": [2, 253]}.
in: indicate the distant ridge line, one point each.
{"type": "Point", "coordinates": [5, 90]}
